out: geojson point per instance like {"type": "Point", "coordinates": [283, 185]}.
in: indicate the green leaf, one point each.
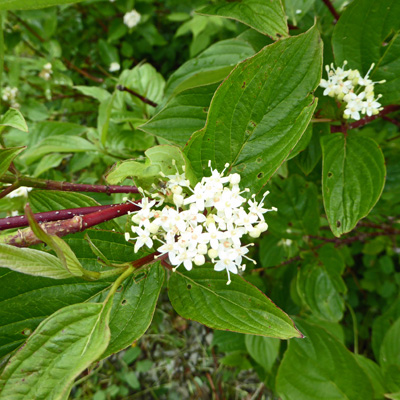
{"type": "Point", "coordinates": [133, 308]}
{"type": "Point", "coordinates": [97, 93]}
{"type": "Point", "coordinates": [103, 119]}
{"type": "Point", "coordinates": [264, 350]}
{"type": "Point", "coordinates": [7, 156]}
{"type": "Point", "coordinates": [32, 262]}
{"type": "Point", "coordinates": [393, 396]}
{"type": "Point", "coordinates": [159, 159]}
{"type": "Point", "coordinates": [374, 374]}
{"type": "Point", "coordinates": [297, 9]}
{"type": "Point", "coordinates": [382, 324]}
{"type": "Point", "coordinates": [62, 347]}
{"type": "Point", "coordinates": [358, 37]}
{"type": "Point", "coordinates": [390, 349]}
{"type": "Point", "coordinates": [26, 300]}
{"type": "Point", "coordinates": [266, 17]}
{"type": "Point", "coordinates": [30, 5]}
{"type": "Point", "coordinates": [202, 295]}
{"type": "Point", "coordinates": [58, 144]}
{"type": "Point", "coordinates": [318, 292]}
{"type": "Point", "coordinates": [211, 66]}
{"type": "Point", "coordinates": [48, 162]}
{"type": "Point", "coordinates": [319, 367]}
{"type": "Point", "coordinates": [184, 114]}
{"type": "Point", "coordinates": [353, 176]}
{"type": "Point", "coordinates": [15, 119]}
{"type": "Point", "coordinates": [298, 209]}
{"type": "Point", "coordinates": [260, 111]}
{"type": "Point", "coordinates": [64, 253]}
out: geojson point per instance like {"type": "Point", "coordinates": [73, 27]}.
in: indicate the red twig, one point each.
{"type": "Point", "coordinates": [82, 71]}
{"type": "Point", "coordinates": [57, 215]}
{"type": "Point", "coordinates": [332, 9]}
{"type": "Point", "coordinates": [366, 120]}
{"type": "Point", "coordinates": [27, 238]}
{"type": "Point", "coordinates": [66, 186]}
{"type": "Point", "coordinates": [139, 96]}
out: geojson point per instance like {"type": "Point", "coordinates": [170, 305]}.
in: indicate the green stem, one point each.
{"type": "Point", "coordinates": [118, 282]}
{"type": "Point", "coordinates": [355, 327]}
{"type": "Point", "coordinates": [112, 272]}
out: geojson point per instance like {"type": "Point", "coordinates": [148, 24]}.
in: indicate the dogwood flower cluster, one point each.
{"type": "Point", "coordinates": [9, 95]}
{"type": "Point", "coordinates": [132, 18]}
{"type": "Point", "coordinates": [345, 86]}
{"type": "Point", "coordinates": [46, 72]}
{"type": "Point", "coordinates": [207, 222]}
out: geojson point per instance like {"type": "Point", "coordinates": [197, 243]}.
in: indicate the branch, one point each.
{"type": "Point", "coordinates": [21, 221]}
{"type": "Point", "coordinates": [26, 237]}
{"type": "Point", "coordinates": [366, 120]}
{"type": "Point", "coordinates": [82, 71]}
{"type": "Point", "coordinates": [139, 96]}
{"type": "Point", "coordinates": [332, 9]}
{"type": "Point", "coordinates": [65, 186]}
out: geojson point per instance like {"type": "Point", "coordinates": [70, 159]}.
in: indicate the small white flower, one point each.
{"type": "Point", "coordinates": [22, 191]}
{"type": "Point", "coordinates": [114, 66]}
{"type": "Point", "coordinates": [132, 18]}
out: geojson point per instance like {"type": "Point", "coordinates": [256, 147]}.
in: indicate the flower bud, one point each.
{"type": "Point", "coordinates": [178, 199]}
{"type": "Point", "coordinates": [127, 236]}
{"type": "Point", "coordinates": [234, 179]}
{"type": "Point", "coordinates": [177, 189]}
{"type": "Point", "coordinates": [199, 259]}
{"type": "Point", "coordinates": [212, 253]}
{"type": "Point", "coordinates": [255, 233]}
{"type": "Point", "coordinates": [153, 228]}
{"type": "Point", "coordinates": [202, 248]}
{"type": "Point", "coordinates": [136, 219]}
{"type": "Point", "coordinates": [262, 226]}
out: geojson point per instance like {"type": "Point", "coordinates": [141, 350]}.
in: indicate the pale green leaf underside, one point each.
{"type": "Point", "coordinates": [260, 111]}
{"type": "Point", "coordinates": [353, 176]}
{"type": "Point", "coordinates": [267, 17]}
{"type": "Point", "coordinates": [15, 119]}
{"type": "Point", "coordinates": [32, 4]}
{"type": "Point", "coordinates": [202, 295]}
{"type": "Point", "coordinates": [32, 262]}
{"type": "Point", "coordinates": [63, 346]}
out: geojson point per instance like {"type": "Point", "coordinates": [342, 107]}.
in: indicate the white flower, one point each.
{"type": "Point", "coordinates": [21, 191]}
{"type": "Point", "coordinates": [132, 18]}
{"type": "Point", "coordinates": [114, 66]}
{"type": "Point", "coordinates": [210, 222]}
{"type": "Point", "coordinates": [46, 72]}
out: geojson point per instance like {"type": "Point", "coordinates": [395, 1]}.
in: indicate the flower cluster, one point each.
{"type": "Point", "coordinates": [209, 220]}
{"type": "Point", "coordinates": [46, 72]}
{"type": "Point", "coordinates": [345, 85]}
{"type": "Point", "coordinates": [10, 95]}
{"type": "Point", "coordinates": [132, 18]}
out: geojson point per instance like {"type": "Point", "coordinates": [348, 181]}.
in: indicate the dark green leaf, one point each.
{"type": "Point", "coordinates": [202, 295]}
{"type": "Point", "coordinates": [260, 111]}
{"type": "Point", "coordinates": [319, 367]}
{"type": "Point", "coordinates": [266, 17]}
{"type": "Point", "coordinates": [184, 114]}
{"type": "Point", "coordinates": [264, 350]}
{"type": "Point", "coordinates": [211, 66]}
{"type": "Point", "coordinates": [7, 156]}
{"type": "Point", "coordinates": [29, 4]}
{"type": "Point", "coordinates": [353, 176]}
{"type": "Point", "coordinates": [359, 38]}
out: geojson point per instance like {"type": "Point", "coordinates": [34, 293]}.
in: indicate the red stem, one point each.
{"type": "Point", "coordinates": [366, 120]}
{"type": "Point", "coordinates": [57, 215]}
{"type": "Point", "coordinates": [139, 96]}
{"type": "Point", "coordinates": [27, 238]}
{"type": "Point", "coordinates": [332, 9]}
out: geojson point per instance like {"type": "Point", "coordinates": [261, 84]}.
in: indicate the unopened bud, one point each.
{"type": "Point", "coordinates": [234, 179]}
{"type": "Point", "coordinates": [212, 253]}
{"type": "Point", "coordinates": [127, 236]}
{"type": "Point", "coordinates": [153, 228]}
{"type": "Point", "coordinates": [262, 226]}
{"type": "Point", "coordinates": [255, 233]}
{"type": "Point", "coordinates": [178, 199]}
{"type": "Point", "coordinates": [199, 259]}
{"type": "Point", "coordinates": [177, 189]}
{"type": "Point", "coordinates": [202, 248]}
{"type": "Point", "coordinates": [135, 219]}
